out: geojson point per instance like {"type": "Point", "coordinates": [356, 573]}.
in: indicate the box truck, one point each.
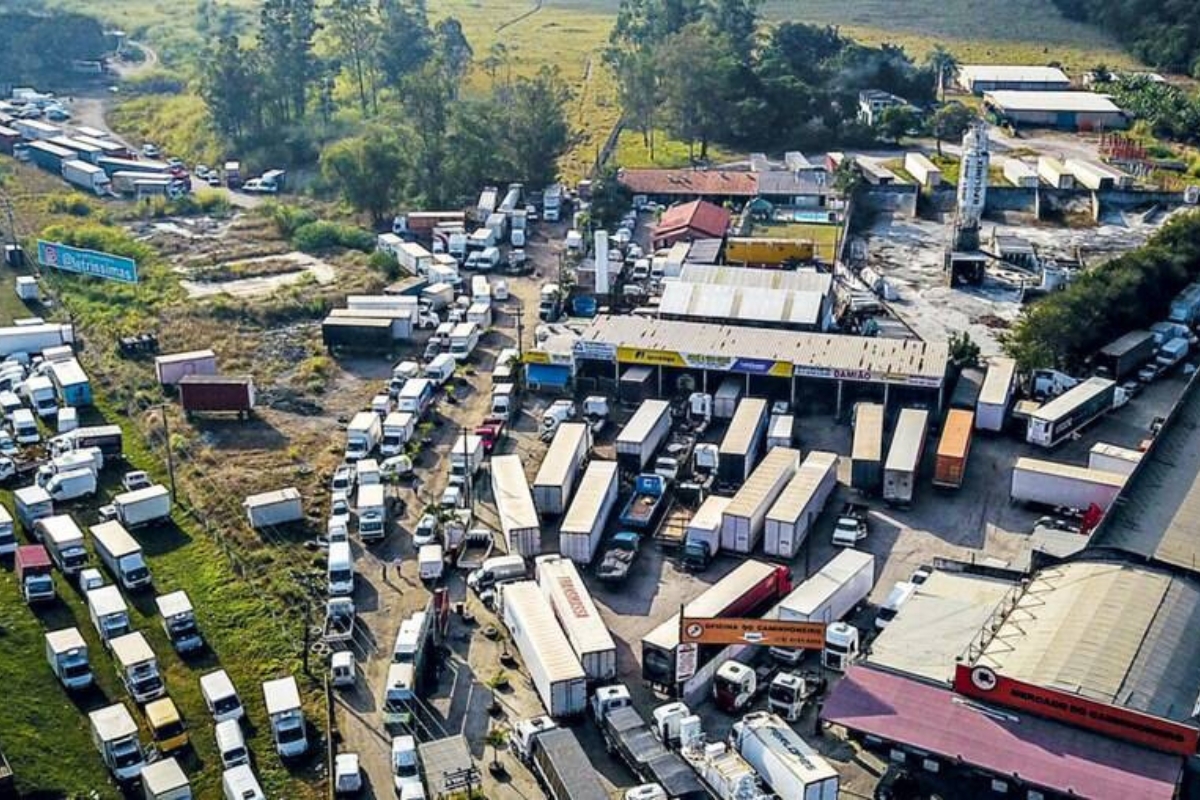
{"type": "Point", "coordinates": [557, 760]}
{"type": "Point", "coordinates": [364, 432]}
{"type": "Point", "coordinates": [744, 518]}
{"type": "Point", "coordinates": [115, 734]}
{"type": "Point", "coordinates": [371, 507]}
{"type": "Point", "coordinates": [572, 605]}
{"type": "Point", "coordinates": [179, 621]}
{"type": "Point", "coordinates": [88, 177]}
{"type": "Point", "coordinates": [398, 428]}
{"type": "Point", "coordinates": [121, 554]}
{"type": "Point", "coordinates": [279, 507]}
{"type": "Point", "coordinates": [702, 534]}
{"type": "Point", "coordinates": [556, 672]}
{"type": "Point", "coordinates": [950, 465]}
{"type": "Point", "coordinates": [1051, 484]}
{"type": "Point", "coordinates": [866, 453]}
{"type": "Point", "coordinates": [286, 716]}
{"type": "Point", "coordinates": [555, 481]}
{"type": "Point", "coordinates": [742, 443]}
{"type": "Point", "coordinates": [800, 503]}
{"type": "Point", "coordinates": [137, 667]}
{"type": "Point", "coordinates": [71, 485]}
{"type": "Point", "coordinates": [514, 504]}
{"type": "Point", "coordinates": [108, 612]}
{"type": "Point", "coordinates": [583, 526]}
{"type": "Point", "coordinates": [828, 596]}
{"type": "Point", "coordinates": [67, 654]}
{"type": "Point", "coordinates": [1123, 357]}
{"type": "Point", "coordinates": [35, 574]}
{"type": "Point", "coordinates": [33, 504]}
{"type": "Point", "coordinates": [784, 761]}
{"type": "Point", "coordinates": [64, 542]}
{"type": "Point", "coordinates": [642, 436]}
{"type": "Point", "coordinates": [466, 459]}
{"type": "Point", "coordinates": [165, 780]}
{"type": "Point", "coordinates": [149, 505]}
{"type": "Point", "coordinates": [904, 457]}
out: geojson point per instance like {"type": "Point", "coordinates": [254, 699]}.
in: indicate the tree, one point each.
{"type": "Point", "coordinates": [737, 21]}
{"type": "Point", "coordinates": [895, 122]}
{"type": "Point", "coordinates": [950, 122]}
{"type": "Point", "coordinates": [229, 84]}
{"type": "Point", "coordinates": [285, 50]}
{"type": "Point", "coordinates": [355, 31]}
{"type": "Point", "coordinates": [453, 49]}
{"type": "Point", "coordinates": [365, 168]}
{"type": "Point", "coordinates": [637, 89]}
{"type": "Point", "coordinates": [695, 69]}
{"type": "Point", "coordinates": [497, 58]}
{"type": "Point", "coordinates": [427, 98]}
{"type": "Point", "coordinates": [944, 66]}
{"type": "Point", "coordinates": [537, 131]}
{"type": "Point", "coordinates": [609, 199]}
{"type": "Point", "coordinates": [497, 738]}
{"type": "Point", "coordinates": [963, 351]}
{"type": "Point", "coordinates": [405, 40]}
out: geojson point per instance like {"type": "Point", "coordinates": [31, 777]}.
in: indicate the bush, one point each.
{"type": "Point", "coordinates": [385, 263]}
{"type": "Point", "coordinates": [157, 82]}
{"type": "Point", "coordinates": [98, 237]}
{"type": "Point", "coordinates": [72, 204]}
{"type": "Point", "coordinates": [324, 235]}
{"type": "Point", "coordinates": [202, 202]}
{"type": "Point", "coordinates": [288, 218]}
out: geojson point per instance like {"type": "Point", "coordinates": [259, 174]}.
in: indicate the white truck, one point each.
{"type": "Point", "coordinates": [64, 542]}
{"type": "Point", "coordinates": [71, 485]}
{"type": "Point", "coordinates": [587, 632]}
{"type": "Point", "coordinates": [431, 563]}
{"type": "Point", "coordinates": [583, 526]}
{"type": "Point", "coordinates": [552, 203]}
{"type": "Point", "coordinates": [279, 507]}
{"type": "Point", "coordinates": [792, 516]}
{"type": "Point", "coordinates": [466, 458]}
{"type": "Point", "coordinates": [643, 435]}
{"type": "Point", "coordinates": [996, 395]}
{"type": "Point", "coordinates": [557, 674]}
{"type": "Point", "coordinates": [702, 536]}
{"type": "Point", "coordinates": [463, 340]}
{"type": "Point", "coordinates": [115, 734]}
{"type": "Point", "coordinates": [827, 596]}
{"type": "Point", "coordinates": [555, 481]}
{"type": "Point", "coordinates": [363, 435]}
{"type": "Point", "coordinates": [137, 667]}
{"type": "Point", "coordinates": [32, 503]}
{"type": "Point", "coordinates": [745, 517]}
{"type": "Point", "coordinates": [1049, 483]}
{"type": "Point", "coordinates": [398, 428]}
{"type": "Point", "coordinates": [39, 392]}
{"type": "Point", "coordinates": [179, 621]}
{"type": "Point", "coordinates": [282, 697]}
{"type": "Point", "coordinates": [784, 761]}
{"type": "Point", "coordinates": [149, 505]}
{"type": "Point", "coordinates": [88, 177]}
{"type": "Point", "coordinates": [121, 554]}
{"type": "Point", "coordinates": [86, 458]}
{"type": "Point", "coordinates": [371, 507]}
{"type": "Point", "coordinates": [165, 780]}
{"type": "Point", "coordinates": [1111, 458]}
{"type": "Point", "coordinates": [904, 457]}
{"type": "Point", "coordinates": [67, 654]}
{"type": "Point", "coordinates": [108, 612]}
{"type": "Point", "coordinates": [8, 534]}
{"type": "Point", "coordinates": [514, 504]}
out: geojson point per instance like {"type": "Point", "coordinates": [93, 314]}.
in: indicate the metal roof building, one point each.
{"type": "Point", "coordinates": [770, 308]}
{"type": "Point", "coordinates": [980, 78]}
{"type": "Point", "coordinates": [1067, 110]}
{"type": "Point", "coordinates": [793, 280]}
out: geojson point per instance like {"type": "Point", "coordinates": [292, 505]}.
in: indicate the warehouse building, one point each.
{"type": "Point", "coordinates": [676, 185]}
{"type": "Point", "coordinates": [1082, 111]}
{"type": "Point", "coordinates": [765, 308]}
{"type": "Point", "coordinates": [980, 78]}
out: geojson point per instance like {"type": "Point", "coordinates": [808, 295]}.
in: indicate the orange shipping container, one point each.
{"type": "Point", "coordinates": [953, 449]}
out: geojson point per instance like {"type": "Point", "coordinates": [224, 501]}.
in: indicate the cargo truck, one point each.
{"type": "Point", "coordinates": [647, 503]}
{"type": "Point", "coordinates": [71, 382]}
{"type": "Point", "coordinates": [64, 542]}
{"type": "Point", "coordinates": [555, 481]}
{"type": "Point", "coordinates": [121, 554]}
{"type": "Point", "coordinates": [745, 517]}
{"type": "Point", "coordinates": [1110, 458]}
{"type": "Point", "coordinates": [572, 605]}
{"type": "Point", "coordinates": [371, 507]}
{"type": "Point", "coordinates": [996, 396]}
{"type": "Point", "coordinates": [828, 596]}
{"type": "Point", "coordinates": [88, 177]}
{"type": "Point", "coordinates": [217, 394]}
{"type": "Point", "coordinates": [1122, 357]}
{"type": "Point", "coordinates": [137, 667]}
{"type": "Point", "coordinates": [1047, 483]}
{"type": "Point", "coordinates": [779, 431]}
{"type": "Point", "coordinates": [866, 453]}
{"type": "Point", "coordinates": [626, 733]}
{"type": "Point", "coordinates": [583, 526]}
{"type": "Point", "coordinates": [34, 572]}
{"type": "Point", "coordinates": [67, 654]}
{"type": "Point", "coordinates": [33, 504]}
{"type": "Point", "coordinates": [106, 437]}
{"type": "Point", "coordinates": [740, 448]}
{"type": "Point", "coordinates": [165, 780]}
{"type": "Point", "coordinates": [801, 502]}
{"type": "Point", "coordinates": [784, 761]}
{"type": "Point", "coordinates": [34, 338]}
{"type": "Point", "coordinates": [557, 760]}
{"type": "Point", "coordinates": [904, 457]}
{"type": "Point", "coordinates": [71, 485]}
{"type": "Point", "coordinates": [115, 735]}
{"type": "Point", "coordinates": [286, 716]}
{"type": "Point", "coordinates": [150, 505]}
{"type": "Point", "coordinates": [702, 534]}
{"type": "Point", "coordinates": [279, 507]}
{"type": "Point", "coordinates": [364, 432]}
{"type": "Point", "coordinates": [1068, 413]}
{"type": "Point", "coordinates": [179, 621]}
{"type": "Point", "coordinates": [108, 612]}
{"type": "Point", "coordinates": [950, 464]}
{"type": "Point", "coordinates": [1185, 308]}
{"type": "Point", "coordinates": [514, 504]}
{"type": "Point", "coordinates": [8, 535]}
{"type": "Point", "coordinates": [557, 674]}
{"type": "Point", "coordinates": [398, 428]}
{"type": "Point", "coordinates": [643, 435]}
{"type": "Point", "coordinates": [466, 459]}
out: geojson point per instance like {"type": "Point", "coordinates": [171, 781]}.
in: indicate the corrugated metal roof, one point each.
{"type": "Point", "coordinates": [688, 182]}
{"type": "Point", "coordinates": [1079, 102]}
{"type": "Point", "coordinates": [524, 601]}
{"type": "Point", "coordinates": [742, 303]}
{"type": "Point", "coordinates": [1011, 73]}
{"type": "Point", "coordinates": [589, 497]}
{"type": "Point", "coordinates": [796, 280]}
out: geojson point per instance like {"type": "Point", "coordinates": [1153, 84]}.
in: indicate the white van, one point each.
{"type": "Point", "coordinates": [231, 744]}
{"type": "Point", "coordinates": [463, 340]}
{"type": "Point", "coordinates": [441, 369]}
{"type": "Point", "coordinates": [481, 290]}
{"type": "Point", "coordinates": [896, 598]}
{"type": "Point", "coordinates": [504, 398]}
{"type": "Point", "coordinates": [495, 571]}
{"type": "Point", "coordinates": [341, 570]}
{"type": "Point", "coordinates": [240, 783]}
{"type": "Point", "coordinates": [24, 427]}
{"type": "Point", "coordinates": [500, 290]}
{"type": "Point", "coordinates": [220, 696]}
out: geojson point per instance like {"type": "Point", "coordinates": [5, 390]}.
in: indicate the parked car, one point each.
{"type": "Point", "coordinates": [150, 150]}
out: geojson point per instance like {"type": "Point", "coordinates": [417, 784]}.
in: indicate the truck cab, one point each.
{"type": "Point", "coordinates": [179, 621]}
{"type": "Point", "coordinates": [609, 698]}
{"type": "Point", "coordinates": [406, 769]}
{"type": "Point", "coordinates": [735, 687]}
{"type": "Point", "coordinates": [67, 654]}
{"type": "Point", "coordinates": [167, 728]}
{"type": "Point", "coordinates": [550, 303]}
{"type": "Point", "coordinates": [115, 734]}
{"type": "Point", "coordinates": [282, 697]}
{"type": "Point", "coordinates": [841, 646]}
{"type": "Point", "coordinates": [851, 527]}
{"type": "Point", "coordinates": [34, 574]}
{"type": "Point", "coordinates": [789, 693]}
{"type": "Point", "coordinates": [504, 401]}
{"type": "Point", "coordinates": [524, 733]}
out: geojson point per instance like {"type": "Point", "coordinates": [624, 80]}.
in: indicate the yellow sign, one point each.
{"type": "Point", "coordinates": [536, 357]}
{"type": "Point", "coordinates": [763, 632]}
{"type": "Point", "coordinates": [781, 369]}
{"type": "Point", "coordinates": [653, 358]}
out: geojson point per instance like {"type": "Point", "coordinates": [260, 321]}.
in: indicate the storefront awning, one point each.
{"type": "Point", "coordinates": [1025, 748]}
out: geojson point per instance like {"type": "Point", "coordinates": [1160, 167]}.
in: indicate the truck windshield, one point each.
{"type": "Point", "coordinates": [226, 704]}
{"type": "Point", "coordinates": [169, 730]}
{"type": "Point", "coordinates": [784, 694]}
{"type": "Point", "coordinates": [723, 684]}
{"type": "Point", "coordinates": [137, 574]}
{"type": "Point", "coordinates": [126, 754]}
{"type": "Point", "coordinates": [837, 647]}
{"type": "Point", "coordinates": [77, 670]}
{"type": "Point", "coordinates": [293, 732]}
{"type": "Point", "coordinates": [339, 575]}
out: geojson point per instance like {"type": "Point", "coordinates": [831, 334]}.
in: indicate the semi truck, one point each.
{"type": "Point", "coordinates": [1122, 357]}
{"type": "Point", "coordinates": [514, 504]}
{"type": "Point", "coordinates": [742, 443]}
{"type": "Point", "coordinates": [88, 177]}
{"type": "Point", "coordinates": [67, 655]}
{"type": "Point", "coordinates": [583, 526]}
{"type": "Point", "coordinates": [1068, 413]}
{"type": "Point", "coordinates": [222, 394]}
{"type": "Point", "coordinates": [1051, 484]}
{"type": "Point", "coordinates": [1111, 458]}
{"type": "Point", "coordinates": [643, 435]}
{"type": "Point", "coordinates": [866, 453]}
{"type": "Point", "coordinates": [572, 605]}
{"type": "Point", "coordinates": [121, 554]}
{"type": "Point", "coordinates": [950, 464]}
{"type": "Point", "coordinates": [557, 675]}
{"type": "Point", "coordinates": [745, 517]}
{"type": "Point", "coordinates": [626, 733]}
{"type": "Point", "coordinates": [828, 596]}
{"type": "Point", "coordinates": [904, 457]}
{"type": "Point", "coordinates": [555, 481]}
{"type": "Point", "coordinates": [557, 760]}
{"type": "Point", "coordinates": [801, 502]}
{"type": "Point", "coordinates": [996, 396]}
{"type": "Point", "coordinates": [784, 761]}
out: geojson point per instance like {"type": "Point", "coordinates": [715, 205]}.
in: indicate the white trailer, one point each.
{"type": "Point", "coordinates": [739, 448]}
{"type": "Point", "coordinates": [555, 481]}
{"type": "Point", "coordinates": [573, 607]}
{"type": "Point", "coordinates": [1020, 174]}
{"type": "Point", "coordinates": [279, 507]}
{"type": "Point", "coordinates": [1049, 483]}
{"type": "Point", "coordinates": [557, 674]}
{"type": "Point", "coordinates": [514, 505]}
{"type": "Point", "coordinates": [34, 338]}
{"type": "Point", "coordinates": [641, 437]}
{"type": "Point", "coordinates": [795, 512]}
{"type": "Point", "coordinates": [171, 368]}
{"type": "Point", "coordinates": [1055, 173]}
{"type": "Point", "coordinates": [86, 176]}
{"type": "Point", "coordinates": [920, 167]}
{"type": "Point", "coordinates": [904, 456]}
{"type": "Point", "coordinates": [996, 395]}
{"type": "Point", "coordinates": [1110, 458]}
{"type": "Point", "coordinates": [743, 520]}
{"type": "Point", "coordinates": [784, 761]}
{"type": "Point", "coordinates": [832, 593]}
{"type": "Point", "coordinates": [583, 526]}
{"type": "Point", "coordinates": [414, 258]}
{"type": "Point", "coordinates": [704, 528]}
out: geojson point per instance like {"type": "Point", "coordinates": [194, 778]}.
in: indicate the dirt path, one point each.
{"type": "Point", "coordinates": [537, 6]}
{"type": "Point", "coordinates": [264, 284]}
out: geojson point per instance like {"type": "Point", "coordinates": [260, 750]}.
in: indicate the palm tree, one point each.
{"type": "Point", "coordinates": [496, 737]}
{"type": "Point", "coordinates": [944, 66]}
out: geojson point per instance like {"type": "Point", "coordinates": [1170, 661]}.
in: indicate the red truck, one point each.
{"type": "Point", "coordinates": [491, 431]}
{"type": "Point", "coordinates": [34, 574]}
{"type": "Point", "coordinates": [217, 393]}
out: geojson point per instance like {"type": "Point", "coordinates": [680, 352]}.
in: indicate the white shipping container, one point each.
{"type": "Point", "coordinates": [170, 368]}
{"type": "Point", "coordinates": [829, 595]}
{"type": "Point", "coordinates": [996, 394]}
{"type": "Point", "coordinates": [792, 516]}
{"type": "Point", "coordinates": [904, 456]}
{"type": "Point", "coordinates": [921, 168]}
{"type": "Point", "coordinates": [1051, 484]}
{"type": "Point", "coordinates": [555, 479]}
{"type": "Point", "coordinates": [779, 432]}
{"type": "Point", "coordinates": [572, 605]}
{"type": "Point", "coordinates": [1020, 174]}
{"type": "Point", "coordinates": [583, 526]}
{"type": "Point", "coordinates": [557, 674]}
{"type": "Point", "coordinates": [1110, 458]}
{"type": "Point", "coordinates": [514, 504]}
{"type": "Point", "coordinates": [742, 522]}
{"type": "Point", "coordinates": [784, 761]}
{"type": "Point", "coordinates": [274, 508]}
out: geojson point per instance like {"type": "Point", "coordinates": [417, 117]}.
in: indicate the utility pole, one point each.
{"type": "Point", "coordinates": [162, 407]}
{"type": "Point", "coordinates": [468, 473]}
{"type": "Point", "coordinates": [520, 334]}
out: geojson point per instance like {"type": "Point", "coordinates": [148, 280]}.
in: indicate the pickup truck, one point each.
{"type": "Point", "coordinates": [617, 560]}
{"type": "Point", "coordinates": [851, 527]}
{"type": "Point", "coordinates": [474, 549]}
{"type": "Point", "coordinates": [648, 501]}
{"type": "Point", "coordinates": [339, 619]}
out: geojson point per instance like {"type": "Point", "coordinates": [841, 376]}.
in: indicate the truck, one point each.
{"type": "Point", "coordinates": [364, 432]}
{"type": "Point", "coordinates": [371, 506]}
{"type": "Point", "coordinates": [339, 620]}
{"type": "Point", "coordinates": [643, 435]}
{"type": "Point", "coordinates": [491, 431]}
{"type": "Point", "coordinates": [179, 621]}
{"type": "Point", "coordinates": [165, 780]}
{"type": "Point", "coordinates": [34, 572]}
{"type": "Point", "coordinates": [557, 760]}
{"type": "Point", "coordinates": [557, 675]}
{"type": "Point", "coordinates": [950, 463]}
{"type": "Point", "coordinates": [1110, 458]}
{"type": "Point", "coordinates": [740, 447]}
{"type": "Point", "coordinates": [32, 504]}
{"type": "Point", "coordinates": [121, 554]}
{"type": "Point", "coordinates": [71, 485]}
{"type": "Point", "coordinates": [1185, 308]}
{"type": "Point", "coordinates": [866, 452]}
{"type": "Point", "coordinates": [647, 503]}
{"type": "Point", "coordinates": [996, 396]}
{"type": "Point", "coordinates": [419, 223]}
{"type": "Point", "coordinates": [828, 596]}
{"type": "Point", "coordinates": [39, 392]}
{"type": "Point", "coordinates": [555, 481]}
{"type": "Point", "coordinates": [1068, 413]}
{"type": "Point", "coordinates": [572, 605]}
{"type": "Point", "coordinates": [64, 542]}
{"type": "Point", "coordinates": [618, 558]}
{"type": "Point", "coordinates": [217, 394]}
{"type": "Point", "coordinates": [172, 367]}
{"type": "Point", "coordinates": [286, 716]}
{"type": "Point", "coordinates": [702, 534]}
{"type": "Point", "coordinates": [463, 340]}
{"type": "Point", "coordinates": [780, 431]}
{"type": "Point", "coordinates": [904, 457]}
{"type": "Point", "coordinates": [784, 761]}
{"type": "Point", "coordinates": [88, 177]}
{"type": "Point", "coordinates": [71, 382]}
{"type": "Point", "coordinates": [801, 502]}
{"type": "Point", "coordinates": [34, 338]}
{"type": "Point", "coordinates": [751, 588]}
{"type": "Point", "coordinates": [552, 199]}
{"type": "Point", "coordinates": [789, 693]}
{"type": "Point", "coordinates": [514, 504]}
{"type": "Point", "coordinates": [745, 517]}
{"type": "Point", "coordinates": [67, 654]}
{"type": "Point", "coordinates": [583, 526]}
{"type": "Point", "coordinates": [1051, 484]}
{"type": "Point", "coordinates": [1171, 353]}
{"type": "Point", "coordinates": [108, 612]}
{"type": "Point", "coordinates": [106, 437]}
{"type": "Point", "coordinates": [850, 528]}
{"type": "Point", "coordinates": [137, 667]}
{"type": "Point", "coordinates": [1121, 358]}
{"type": "Point", "coordinates": [727, 397]}
{"type": "Point", "coordinates": [8, 534]}
{"type": "Point", "coordinates": [627, 735]}
{"type": "Point", "coordinates": [115, 735]}
{"type": "Point", "coordinates": [139, 508]}
{"type": "Point", "coordinates": [398, 429]}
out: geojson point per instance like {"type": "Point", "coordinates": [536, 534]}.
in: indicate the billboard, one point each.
{"type": "Point", "coordinates": [983, 683]}
{"type": "Point", "coordinates": [743, 630]}
{"type": "Point", "coordinates": [56, 255]}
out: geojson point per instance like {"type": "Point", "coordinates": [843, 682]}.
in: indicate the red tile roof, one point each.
{"type": "Point", "coordinates": [689, 182]}
{"type": "Point", "coordinates": [697, 217]}
{"type": "Point", "coordinates": [1041, 753]}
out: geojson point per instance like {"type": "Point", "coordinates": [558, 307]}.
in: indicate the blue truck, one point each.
{"type": "Point", "coordinates": [645, 507]}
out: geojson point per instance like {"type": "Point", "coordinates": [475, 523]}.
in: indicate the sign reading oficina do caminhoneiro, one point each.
{"type": "Point", "coordinates": [56, 255]}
